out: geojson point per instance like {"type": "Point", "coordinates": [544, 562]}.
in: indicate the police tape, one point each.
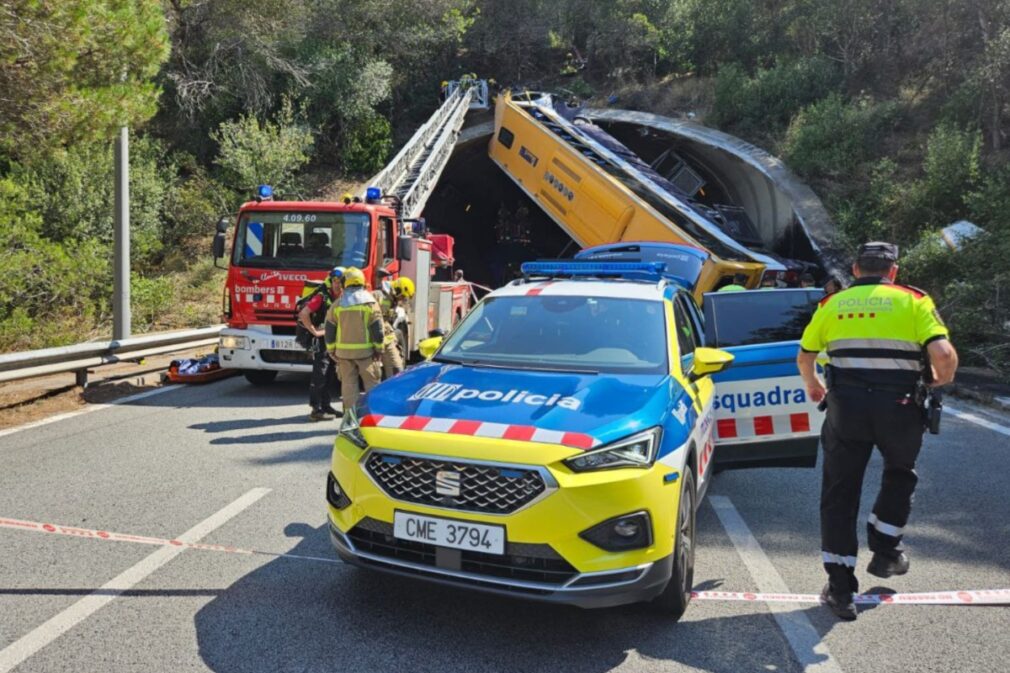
{"type": "Point", "coordinates": [88, 533]}
{"type": "Point", "coordinates": [976, 597]}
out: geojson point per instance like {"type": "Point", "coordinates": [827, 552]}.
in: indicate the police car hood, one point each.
{"type": "Point", "coordinates": [605, 406]}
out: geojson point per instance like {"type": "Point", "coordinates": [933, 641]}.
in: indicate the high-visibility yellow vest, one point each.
{"type": "Point", "coordinates": [357, 322]}
{"type": "Point", "coordinates": [875, 331]}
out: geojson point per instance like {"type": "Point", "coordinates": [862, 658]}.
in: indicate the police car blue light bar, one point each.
{"type": "Point", "coordinates": [636, 270]}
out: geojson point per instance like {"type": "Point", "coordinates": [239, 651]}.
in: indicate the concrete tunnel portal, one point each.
{"type": "Point", "coordinates": [496, 226]}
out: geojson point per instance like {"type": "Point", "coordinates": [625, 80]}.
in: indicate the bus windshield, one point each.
{"type": "Point", "coordinates": [301, 240]}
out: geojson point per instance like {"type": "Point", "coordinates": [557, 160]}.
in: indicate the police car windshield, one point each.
{"type": "Point", "coordinates": [301, 240]}
{"type": "Point", "coordinates": [566, 333]}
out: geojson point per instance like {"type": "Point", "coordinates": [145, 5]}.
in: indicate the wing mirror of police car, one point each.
{"type": "Point", "coordinates": [428, 346]}
{"type": "Point", "coordinates": [709, 361]}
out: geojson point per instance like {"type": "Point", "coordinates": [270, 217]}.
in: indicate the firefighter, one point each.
{"type": "Point", "coordinates": [312, 312]}
{"type": "Point", "coordinates": [738, 284]}
{"type": "Point", "coordinates": [391, 296]}
{"type": "Point", "coordinates": [884, 342]}
{"type": "Point", "coordinates": [354, 337]}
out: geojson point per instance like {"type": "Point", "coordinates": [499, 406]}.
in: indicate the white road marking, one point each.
{"type": "Point", "coordinates": [803, 639]}
{"type": "Point", "coordinates": [32, 642]}
{"type": "Point", "coordinates": [88, 409]}
{"type": "Point", "coordinates": [978, 420]}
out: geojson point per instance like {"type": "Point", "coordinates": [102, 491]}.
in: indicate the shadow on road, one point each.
{"type": "Point", "coordinates": [282, 436]}
{"type": "Point", "coordinates": [292, 615]}
{"type": "Point", "coordinates": [248, 423]}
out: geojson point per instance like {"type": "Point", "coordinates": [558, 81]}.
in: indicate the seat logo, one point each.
{"type": "Point", "coordinates": [447, 483]}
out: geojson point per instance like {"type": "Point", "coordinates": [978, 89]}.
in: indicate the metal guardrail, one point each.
{"type": "Point", "coordinates": [81, 357]}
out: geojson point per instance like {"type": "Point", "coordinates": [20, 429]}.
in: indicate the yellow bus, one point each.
{"type": "Point", "coordinates": [596, 197]}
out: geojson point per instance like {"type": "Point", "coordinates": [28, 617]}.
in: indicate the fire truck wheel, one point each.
{"type": "Point", "coordinates": [260, 377]}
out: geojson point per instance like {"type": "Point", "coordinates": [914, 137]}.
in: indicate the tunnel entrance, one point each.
{"type": "Point", "coordinates": [495, 225]}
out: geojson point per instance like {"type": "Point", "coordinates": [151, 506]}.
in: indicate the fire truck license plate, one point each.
{"type": "Point", "coordinates": [285, 344]}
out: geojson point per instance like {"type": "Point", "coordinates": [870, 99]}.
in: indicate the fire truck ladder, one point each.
{"type": "Point", "coordinates": [412, 174]}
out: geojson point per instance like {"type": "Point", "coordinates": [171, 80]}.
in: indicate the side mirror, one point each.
{"type": "Point", "coordinates": [428, 346]}
{"type": "Point", "coordinates": [404, 251]}
{"type": "Point", "coordinates": [709, 361]}
{"type": "Point", "coordinates": [218, 246]}
{"type": "Point", "coordinates": [222, 225]}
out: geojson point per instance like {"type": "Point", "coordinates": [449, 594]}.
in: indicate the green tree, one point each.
{"type": "Point", "coordinates": [80, 68]}
{"type": "Point", "coordinates": [270, 152]}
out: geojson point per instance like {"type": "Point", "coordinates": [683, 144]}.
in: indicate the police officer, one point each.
{"type": "Point", "coordinates": [312, 312]}
{"type": "Point", "coordinates": [875, 333]}
{"type": "Point", "coordinates": [354, 337]}
{"type": "Point", "coordinates": [391, 295]}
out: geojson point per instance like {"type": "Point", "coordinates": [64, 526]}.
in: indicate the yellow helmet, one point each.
{"type": "Point", "coordinates": [403, 287]}
{"type": "Point", "coordinates": [353, 277]}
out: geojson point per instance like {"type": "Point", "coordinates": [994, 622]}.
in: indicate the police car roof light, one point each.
{"type": "Point", "coordinates": [648, 271]}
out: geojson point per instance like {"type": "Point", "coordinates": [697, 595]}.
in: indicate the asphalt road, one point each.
{"type": "Point", "coordinates": [204, 456]}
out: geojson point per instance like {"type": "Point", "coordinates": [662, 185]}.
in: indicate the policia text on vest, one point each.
{"type": "Point", "coordinates": [876, 334]}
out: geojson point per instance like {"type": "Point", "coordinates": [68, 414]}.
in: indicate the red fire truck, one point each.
{"type": "Point", "coordinates": [279, 247]}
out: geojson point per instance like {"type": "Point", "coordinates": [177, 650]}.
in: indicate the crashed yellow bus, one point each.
{"type": "Point", "coordinates": [598, 191]}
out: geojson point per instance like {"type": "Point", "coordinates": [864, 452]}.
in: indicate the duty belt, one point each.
{"type": "Point", "coordinates": [841, 379]}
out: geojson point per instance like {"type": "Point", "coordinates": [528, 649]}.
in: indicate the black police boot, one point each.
{"type": "Point", "coordinates": [888, 565]}
{"type": "Point", "coordinates": [840, 603]}
{"type": "Point", "coordinates": [320, 415]}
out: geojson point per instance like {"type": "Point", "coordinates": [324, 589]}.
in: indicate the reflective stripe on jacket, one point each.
{"type": "Point", "coordinates": [387, 307]}
{"type": "Point", "coordinates": [357, 321]}
{"type": "Point", "coordinates": [875, 330]}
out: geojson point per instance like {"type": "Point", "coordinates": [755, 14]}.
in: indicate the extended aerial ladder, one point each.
{"type": "Point", "coordinates": [412, 174]}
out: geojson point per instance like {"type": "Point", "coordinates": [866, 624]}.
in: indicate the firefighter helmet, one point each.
{"type": "Point", "coordinates": [403, 287]}
{"type": "Point", "coordinates": [353, 277]}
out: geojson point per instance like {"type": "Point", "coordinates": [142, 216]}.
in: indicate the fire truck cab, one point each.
{"type": "Point", "coordinates": [281, 247]}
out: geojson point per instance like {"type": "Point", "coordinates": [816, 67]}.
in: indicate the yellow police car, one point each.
{"type": "Point", "coordinates": [555, 447]}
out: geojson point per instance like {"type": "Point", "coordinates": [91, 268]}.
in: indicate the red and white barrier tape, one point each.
{"type": "Point", "coordinates": [88, 533]}
{"type": "Point", "coordinates": [980, 597]}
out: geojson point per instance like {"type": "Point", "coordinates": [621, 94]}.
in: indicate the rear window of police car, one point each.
{"type": "Point", "coordinates": [758, 316]}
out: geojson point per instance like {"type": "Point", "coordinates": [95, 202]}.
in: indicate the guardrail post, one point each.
{"type": "Point", "coordinates": [81, 378]}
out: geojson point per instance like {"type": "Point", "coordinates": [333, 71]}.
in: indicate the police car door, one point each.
{"type": "Point", "coordinates": [762, 414]}
{"type": "Point", "coordinates": [689, 336]}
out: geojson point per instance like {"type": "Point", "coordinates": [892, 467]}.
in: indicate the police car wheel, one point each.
{"type": "Point", "coordinates": [260, 377]}
{"type": "Point", "coordinates": [677, 594]}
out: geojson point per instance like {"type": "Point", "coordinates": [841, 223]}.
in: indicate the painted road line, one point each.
{"type": "Point", "coordinates": [109, 536]}
{"type": "Point", "coordinates": [88, 409]}
{"type": "Point", "coordinates": [978, 420]}
{"type": "Point", "coordinates": [803, 639]}
{"type": "Point", "coordinates": [32, 642]}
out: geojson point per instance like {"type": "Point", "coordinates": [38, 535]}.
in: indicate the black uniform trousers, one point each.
{"type": "Point", "coordinates": [859, 418]}
{"type": "Point", "coordinates": [324, 375]}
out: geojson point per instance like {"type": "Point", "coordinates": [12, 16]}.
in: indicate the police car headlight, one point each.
{"type": "Point", "coordinates": [240, 343]}
{"type": "Point", "coordinates": [638, 450]}
{"type": "Point", "coordinates": [351, 429]}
